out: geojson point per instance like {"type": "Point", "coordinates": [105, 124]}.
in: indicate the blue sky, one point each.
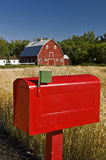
{"type": "Point", "coordinates": [58, 19]}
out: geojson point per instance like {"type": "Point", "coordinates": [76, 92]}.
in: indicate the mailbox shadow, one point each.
{"type": "Point", "coordinates": [36, 82]}
{"type": "Point", "coordinates": [12, 145]}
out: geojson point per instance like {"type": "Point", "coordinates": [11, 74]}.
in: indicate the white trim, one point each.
{"type": "Point", "coordinates": [55, 47]}
{"type": "Point", "coordinates": [45, 59]}
{"type": "Point", "coordinates": [25, 63]}
{"type": "Point", "coordinates": [58, 46]}
{"type": "Point", "coordinates": [55, 43]}
{"type": "Point", "coordinates": [47, 46]}
{"type": "Point", "coordinates": [57, 60]}
{"type": "Point", "coordinates": [51, 59]}
{"type": "Point", "coordinates": [61, 60]}
{"type": "Point", "coordinates": [37, 59]}
{"type": "Point", "coordinates": [53, 54]}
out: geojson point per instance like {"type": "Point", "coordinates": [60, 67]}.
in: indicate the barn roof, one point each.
{"type": "Point", "coordinates": [31, 51]}
{"type": "Point", "coordinates": [13, 58]}
{"type": "Point", "coordinates": [3, 58]}
{"type": "Point", "coordinates": [33, 48]}
{"type": "Point", "coordinates": [38, 43]}
{"type": "Point", "coordinates": [66, 57]}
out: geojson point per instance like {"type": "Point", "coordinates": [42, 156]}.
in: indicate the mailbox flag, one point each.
{"type": "Point", "coordinates": [44, 77]}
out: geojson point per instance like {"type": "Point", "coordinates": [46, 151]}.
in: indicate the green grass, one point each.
{"type": "Point", "coordinates": [17, 66]}
{"type": "Point", "coordinates": [93, 64]}
{"type": "Point", "coordinates": [28, 66]}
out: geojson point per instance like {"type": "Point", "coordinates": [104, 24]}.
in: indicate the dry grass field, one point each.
{"type": "Point", "coordinates": [79, 143]}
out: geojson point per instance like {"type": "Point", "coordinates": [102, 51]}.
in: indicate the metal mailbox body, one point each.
{"type": "Point", "coordinates": [68, 101]}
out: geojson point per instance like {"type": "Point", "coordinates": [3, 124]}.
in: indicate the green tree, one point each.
{"type": "Point", "coordinates": [4, 51]}
{"type": "Point", "coordinates": [103, 38]}
{"type": "Point", "coordinates": [16, 47]}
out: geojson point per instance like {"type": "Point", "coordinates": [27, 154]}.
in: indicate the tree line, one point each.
{"type": "Point", "coordinates": [12, 48]}
{"type": "Point", "coordinates": [81, 49]}
{"type": "Point", "coordinates": [85, 49]}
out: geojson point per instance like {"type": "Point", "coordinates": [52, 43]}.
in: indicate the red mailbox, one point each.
{"type": "Point", "coordinates": [68, 101]}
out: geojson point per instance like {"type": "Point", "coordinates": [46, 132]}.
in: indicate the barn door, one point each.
{"type": "Point", "coordinates": [51, 59]}
{"type": "Point", "coordinates": [51, 62]}
{"type": "Point", "coordinates": [51, 55]}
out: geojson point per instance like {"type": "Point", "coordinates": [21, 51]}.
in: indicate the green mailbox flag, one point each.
{"type": "Point", "coordinates": [44, 77]}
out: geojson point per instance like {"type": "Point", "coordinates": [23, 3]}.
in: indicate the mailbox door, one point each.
{"type": "Point", "coordinates": [69, 106]}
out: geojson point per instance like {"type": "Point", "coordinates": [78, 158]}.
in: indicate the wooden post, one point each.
{"type": "Point", "coordinates": [54, 142]}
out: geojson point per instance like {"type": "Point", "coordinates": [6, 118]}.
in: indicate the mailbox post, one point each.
{"type": "Point", "coordinates": [54, 142]}
{"type": "Point", "coordinates": [54, 139]}
{"type": "Point", "coordinates": [47, 104]}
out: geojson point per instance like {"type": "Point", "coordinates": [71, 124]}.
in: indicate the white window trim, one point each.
{"type": "Point", "coordinates": [40, 60]}
{"type": "Point", "coordinates": [55, 47]}
{"type": "Point", "coordinates": [47, 47]}
{"type": "Point", "coordinates": [52, 53]}
{"type": "Point", "coordinates": [57, 59]}
{"type": "Point", "coordinates": [45, 60]}
{"type": "Point", "coordinates": [51, 59]}
{"type": "Point", "coordinates": [61, 60]}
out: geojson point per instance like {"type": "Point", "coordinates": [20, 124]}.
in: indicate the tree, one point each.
{"type": "Point", "coordinates": [103, 38]}
{"type": "Point", "coordinates": [80, 49]}
{"type": "Point", "coordinates": [4, 51]}
{"type": "Point", "coordinates": [100, 53]}
{"type": "Point", "coordinates": [16, 47]}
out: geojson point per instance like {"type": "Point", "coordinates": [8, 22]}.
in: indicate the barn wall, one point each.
{"type": "Point", "coordinates": [53, 56]}
{"type": "Point", "coordinates": [66, 61]}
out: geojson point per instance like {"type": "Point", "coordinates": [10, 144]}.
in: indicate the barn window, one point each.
{"type": "Point", "coordinates": [40, 60]}
{"type": "Point", "coordinates": [55, 46]}
{"type": "Point", "coordinates": [45, 60]}
{"type": "Point", "coordinates": [56, 60]}
{"type": "Point", "coordinates": [61, 60]}
{"type": "Point", "coordinates": [47, 46]}
{"type": "Point", "coordinates": [14, 61]}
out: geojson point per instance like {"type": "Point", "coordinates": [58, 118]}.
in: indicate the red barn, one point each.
{"type": "Point", "coordinates": [44, 52]}
{"type": "Point", "coordinates": [66, 60]}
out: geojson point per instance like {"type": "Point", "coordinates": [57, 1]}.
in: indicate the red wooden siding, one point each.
{"type": "Point", "coordinates": [50, 56]}
{"type": "Point", "coordinates": [51, 62]}
{"type": "Point", "coordinates": [66, 61]}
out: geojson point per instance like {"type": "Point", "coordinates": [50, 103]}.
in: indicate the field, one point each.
{"type": "Point", "coordinates": [79, 143]}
